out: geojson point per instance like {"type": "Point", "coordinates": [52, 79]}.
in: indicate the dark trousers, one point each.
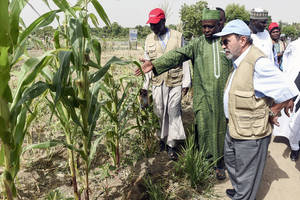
{"type": "Point", "coordinates": [245, 162]}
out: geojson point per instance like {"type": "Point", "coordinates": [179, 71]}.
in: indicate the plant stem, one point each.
{"type": "Point", "coordinates": [72, 169]}
{"type": "Point", "coordinates": [7, 177]}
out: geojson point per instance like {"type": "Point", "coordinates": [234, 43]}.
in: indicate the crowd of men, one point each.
{"type": "Point", "coordinates": [245, 82]}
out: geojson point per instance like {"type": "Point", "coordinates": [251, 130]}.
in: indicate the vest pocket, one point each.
{"type": "Point", "coordinates": [260, 121]}
{"type": "Point", "coordinates": [244, 100]}
{"type": "Point", "coordinates": [251, 123]}
{"type": "Point", "coordinates": [152, 50]}
{"type": "Point", "coordinates": [243, 122]}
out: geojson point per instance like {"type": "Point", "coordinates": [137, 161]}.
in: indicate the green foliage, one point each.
{"type": "Point", "coordinates": [194, 166]}
{"type": "Point", "coordinates": [116, 106]}
{"type": "Point", "coordinates": [155, 191]}
{"type": "Point", "coordinates": [236, 11]}
{"type": "Point", "coordinates": [147, 125]}
{"type": "Point", "coordinates": [290, 31]}
{"type": "Point", "coordinates": [13, 113]}
{"type": "Point", "coordinates": [191, 16]}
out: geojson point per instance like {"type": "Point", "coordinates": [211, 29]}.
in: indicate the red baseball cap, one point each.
{"type": "Point", "coordinates": [155, 16]}
{"type": "Point", "coordinates": [273, 25]}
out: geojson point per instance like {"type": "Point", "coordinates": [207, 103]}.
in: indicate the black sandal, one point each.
{"type": "Point", "coordinates": [220, 174]}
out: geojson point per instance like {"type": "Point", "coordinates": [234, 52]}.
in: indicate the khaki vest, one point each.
{"type": "Point", "coordinates": [173, 77]}
{"type": "Point", "coordinates": [248, 115]}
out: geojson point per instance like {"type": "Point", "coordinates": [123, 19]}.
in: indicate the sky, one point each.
{"type": "Point", "coordinates": [129, 13]}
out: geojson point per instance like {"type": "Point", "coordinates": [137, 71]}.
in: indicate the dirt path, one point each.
{"type": "Point", "coordinates": [281, 179]}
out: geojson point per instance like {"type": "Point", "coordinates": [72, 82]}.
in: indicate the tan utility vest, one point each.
{"type": "Point", "coordinates": [173, 77]}
{"type": "Point", "coordinates": [248, 115]}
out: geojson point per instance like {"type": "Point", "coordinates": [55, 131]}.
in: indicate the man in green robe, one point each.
{"type": "Point", "coordinates": [210, 71]}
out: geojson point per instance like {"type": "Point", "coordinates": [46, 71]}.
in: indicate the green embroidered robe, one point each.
{"type": "Point", "coordinates": [210, 72]}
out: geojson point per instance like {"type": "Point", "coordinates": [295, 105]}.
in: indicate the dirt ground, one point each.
{"type": "Point", "coordinates": [281, 179]}
{"type": "Point", "coordinates": [44, 173]}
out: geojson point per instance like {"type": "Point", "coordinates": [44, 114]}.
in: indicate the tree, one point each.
{"type": "Point", "coordinates": [235, 11]}
{"type": "Point", "coordinates": [191, 16]}
{"type": "Point", "coordinates": [290, 31]}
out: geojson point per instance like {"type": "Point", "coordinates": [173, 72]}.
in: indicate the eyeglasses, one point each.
{"type": "Point", "coordinates": [224, 42]}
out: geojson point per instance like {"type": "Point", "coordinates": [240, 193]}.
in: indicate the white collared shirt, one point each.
{"type": "Point", "coordinates": [268, 81]}
{"type": "Point", "coordinates": [263, 41]}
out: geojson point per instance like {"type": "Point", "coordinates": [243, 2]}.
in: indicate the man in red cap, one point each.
{"type": "Point", "coordinates": [167, 88]}
{"type": "Point", "coordinates": [278, 45]}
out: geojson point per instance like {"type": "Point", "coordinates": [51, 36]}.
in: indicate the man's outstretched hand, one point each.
{"type": "Point", "coordinates": [146, 67]}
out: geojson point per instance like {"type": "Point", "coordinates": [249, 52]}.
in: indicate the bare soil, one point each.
{"type": "Point", "coordinates": [43, 171]}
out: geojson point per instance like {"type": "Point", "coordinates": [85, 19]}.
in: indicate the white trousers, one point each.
{"type": "Point", "coordinates": [167, 106]}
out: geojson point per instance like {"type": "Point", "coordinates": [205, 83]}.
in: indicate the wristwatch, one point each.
{"type": "Point", "coordinates": [271, 113]}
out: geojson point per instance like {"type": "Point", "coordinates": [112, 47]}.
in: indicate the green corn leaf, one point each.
{"type": "Point", "coordinates": [125, 93]}
{"type": "Point", "coordinates": [5, 136]}
{"type": "Point", "coordinates": [7, 94]}
{"type": "Point", "coordinates": [107, 91]}
{"type": "Point", "coordinates": [19, 51]}
{"type": "Point", "coordinates": [93, 124]}
{"type": "Point", "coordinates": [61, 77]}
{"type": "Point", "coordinates": [5, 27]}
{"type": "Point", "coordinates": [92, 64]}
{"type": "Point", "coordinates": [4, 70]}
{"type": "Point", "coordinates": [71, 109]}
{"type": "Point", "coordinates": [15, 8]}
{"type": "Point", "coordinates": [101, 12]}
{"type": "Point", "coordinates": [34, 91]}
{"type": "Point", "coordinates": [64, 5]}
{"type": "Point", "coordinates": [110, 114]}
{"type": "Point", "coordinates": [94, 100]}
{"type": "Point", "coordinates": [85, 28]}
{"type": "Point", "coordinates": [2, 156]}
{"type": "Point", "coordinates": [99, 74]}
{"type": "Point", "coordinates": [80, 3]}
{"type": "Point", "coordinates": [56, 39]}
{"type": "Point", "coordinates": [43, 20]}
{"type": "Point", "coordinates": [30, 69]}
{"type": "Point", "coordinates": [140, 68]}
{"type": "Point", "coordinates": [94, 19]}
{"type": "Point", "coordinates": [96, 48]}
{"type": "Point", "coordinates": [76, 37]}
{"type": "Point", "coordinates": [20, 131]}
{"type": "Point", "coordinates": [93, 150]}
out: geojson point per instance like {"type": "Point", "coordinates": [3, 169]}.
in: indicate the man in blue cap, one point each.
{"type": "Point", "coordinates": [255, 93]}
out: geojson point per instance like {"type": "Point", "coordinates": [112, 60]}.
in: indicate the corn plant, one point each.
{"type": "Point", "coordinates": [117, 102]}
{"type": "Point", "coordinates": [74, 88]}
{"type": "Point", "coordinates": [14, 121]}
{"type": "Point", "coordinates": [146, 125]}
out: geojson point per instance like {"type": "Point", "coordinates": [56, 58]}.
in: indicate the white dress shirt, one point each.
{"type": "Point", "coordinates": [268, 81]}
{"type": "Point", "coordinates": [263, 41]}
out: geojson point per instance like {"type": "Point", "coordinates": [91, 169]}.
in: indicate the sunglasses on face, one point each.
{"type": "Point", "coordinates": [224, 42]}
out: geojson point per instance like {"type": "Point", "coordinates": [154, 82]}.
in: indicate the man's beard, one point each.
{"type": "Point", "coordinates": [228, 55]}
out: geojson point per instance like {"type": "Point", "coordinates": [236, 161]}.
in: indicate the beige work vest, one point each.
{"type": "Point", "coordinates": [174, 76]}
{"type": "Point", "coordinates": [248, 115]}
